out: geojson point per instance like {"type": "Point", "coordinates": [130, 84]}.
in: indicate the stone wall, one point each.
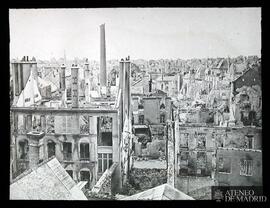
{"type": "Point", "coordinates": [196, 187]}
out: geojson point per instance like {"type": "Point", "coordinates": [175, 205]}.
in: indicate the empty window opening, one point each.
{"type": "Point", "coordinates": [43, 122]}
{"type": "Point", "coordinates": [183, 166]}
{"type": "Point", "coordinates": [105, 131]}
{"type": "Point", "coordinates": [104, 161]}
{"type": "Point", "coordinates": [249, 140]}
{"type": "Point", "coordinates": [36, 123]}
{"type": "Point", "coordinates": [224, 165]}
{"type": "Point", "coordinates": [140, 104]}
{"type": "Point", "coordinates": [201, 141]}
{"type": "Point", "coordinates": [85, 176]}
{"type": "Point", "coordinates": [141, 119]}
{"type": "Point", "coordinates": [162, 118]}
{"type": "Point", "coordinates": [184, 140]}
{"type": "Point", "coordinates": [51, 148]}
{"type": "Point", "coordinates": [106, 139]}
{"type": "Point", "coordinates": [67, 150]}
{"type": "Point", "coordinates": [84, 151]}
{"type": "Point", "coordinates": [201, 163]}
{"type": "Point", "coordinates": [23, 149]}
{"type": "Point", "coordinates": [29, 122]}
{"type": "Point", "coordinates": [84, 124]}
{"type": "Point", "coordinates": [246, 167]}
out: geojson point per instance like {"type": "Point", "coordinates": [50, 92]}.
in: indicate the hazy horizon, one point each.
{"type": "Point", "coordinates": [141, 33]}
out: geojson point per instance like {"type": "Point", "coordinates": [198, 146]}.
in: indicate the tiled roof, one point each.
{"type": "Point", "coordinates": [48, 181]}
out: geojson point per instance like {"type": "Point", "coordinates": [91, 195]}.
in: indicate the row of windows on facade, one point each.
{"type": "Point", "coordinates": [198, 167]}
{"type": "Point", "coordinates": [201, 141]}
{"type": "Point", "coordinates": [140, 106]}
{"type": "Point", "coordinates": [141, 119]}
{"type": "Point", "coordinates": [41, 123]}
{"type": "Point", "coordinates": [104, 159]}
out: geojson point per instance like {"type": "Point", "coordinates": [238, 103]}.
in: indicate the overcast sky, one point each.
{"type": "Point", "coordinates": [148, 33]}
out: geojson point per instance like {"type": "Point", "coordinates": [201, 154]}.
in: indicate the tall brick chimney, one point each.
{"type": "Point", "coordinates": [102, 74]}
{"type": "Point", "coordinates": [74, 86]}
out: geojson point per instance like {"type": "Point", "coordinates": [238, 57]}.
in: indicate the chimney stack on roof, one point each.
{"type": "Point", "coordinates": [74, 86]}
{"type": "Point", "coordinates": [63, 77]}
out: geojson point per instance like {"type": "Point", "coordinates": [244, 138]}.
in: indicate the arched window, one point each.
{"type": "Point", "coordinates": [23, 149]}
{"type": "Point", "coordinates": [51, 148]}
{"type": "Point", "coordinates": [161, 86]}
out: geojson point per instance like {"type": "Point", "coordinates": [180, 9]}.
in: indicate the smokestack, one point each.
{"type": "Point", "coordinates": [102, 74]}
{"type": "Point", "coordinates": [74, 86]}
{"type": "Point", "coordinates": [63, 77]}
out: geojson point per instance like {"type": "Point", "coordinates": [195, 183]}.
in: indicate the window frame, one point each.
{"type": "Point", "coordinates": [242, 173]}
{"type": "Point", "coordinates": [85, 158]}
{"type": "Point", "coordinates": [67, 157]}
{"type": "Point", "coordinates": [109, 162]}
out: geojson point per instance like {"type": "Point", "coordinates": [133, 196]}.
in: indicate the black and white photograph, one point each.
{"type": "Point", "coordinates": [144, 103]}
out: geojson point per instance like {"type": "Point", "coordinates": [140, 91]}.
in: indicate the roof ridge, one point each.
{"type": "Point", "coordinates": [30, 170]}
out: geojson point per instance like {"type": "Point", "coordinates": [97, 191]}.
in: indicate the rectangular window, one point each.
{"type": "Point", "coordinates": [84, 124]}
{"type": "Point", "coordinates": [105, 131]}
{"type": "Point", "coordinates": [29, 123]}
{"type": "Point", "coordinates": [141, 119]}
{"type": "Point", "coordinates": [246, 167]}
{"type": "Point", "coordinates": [183, 166]}
{"type": "Point", "coordinates": [43, 122]}
{"type": "Point", "coordinates": [104, 161]}
{"type": "Point", "coordinates": [100, 163]}
{"type": "Point", "coordinates": [184, 140]}
{"type": "Point", "coordinates": [85, 176]}
{"type": "Point", "coordinates": [201, 163]}
{"type": "Point", "coordinates": [201, 141]}
{"type": "Point", "coordinates": [162, 118]}
{"type": "Point", "coordinates": [224, 165]}
{"type": "Point", "coordinates": [23, 149]}
{"type": "Point", "coordinates": [67, 150]}
{"type": "Point", "coordinates": [249, 142]}
{"type": "Point", "coordinates": [84, 151]}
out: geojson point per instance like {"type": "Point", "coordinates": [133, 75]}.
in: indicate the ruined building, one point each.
{"type": "Point", "coordinates": [91, 141]}
{"type": "Point", "coordinates": [201, 156]}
